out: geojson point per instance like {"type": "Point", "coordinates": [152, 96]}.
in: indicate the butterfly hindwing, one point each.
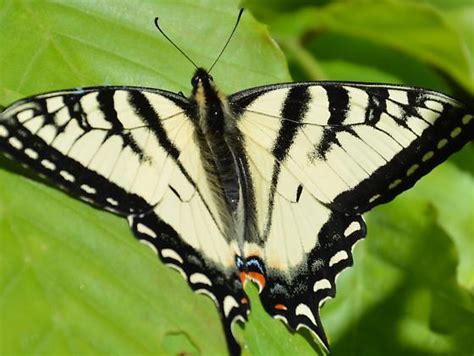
{"type": "Point", "coordinates": [296, 294]}
{"type": "Point", "coordinates": [204, 276]}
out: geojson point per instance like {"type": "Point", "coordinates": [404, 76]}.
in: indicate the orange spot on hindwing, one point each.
{"type": "Point", "coordinates": [243, 278]}
{"type": "Point", "coordinates": [258, 278]}
{"type": "Point", "coordinates": [254, 276]}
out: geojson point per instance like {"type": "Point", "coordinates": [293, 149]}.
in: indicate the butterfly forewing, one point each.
{"type": "Point", "coordinates": [352, 146]}
{"type": "Point", "coordinates": [94, 143]}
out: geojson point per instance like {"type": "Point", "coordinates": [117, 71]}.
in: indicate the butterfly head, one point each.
{"type": "Point", "coordinates": [202, 81]}
{"type": "Point", "coordinates": [212, 107]}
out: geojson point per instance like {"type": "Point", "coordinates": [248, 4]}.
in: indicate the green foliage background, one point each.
{"type": "Point", "coordinates": [74, 281]}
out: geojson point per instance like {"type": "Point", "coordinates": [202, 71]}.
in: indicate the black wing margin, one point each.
{"type": "Point", "coordinates": [452, 128]}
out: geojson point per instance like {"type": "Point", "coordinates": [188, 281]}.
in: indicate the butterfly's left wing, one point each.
{"type": "Point", "coordinates": [132, 151]}
{"type": "Point", "coordinates": [321, 154]}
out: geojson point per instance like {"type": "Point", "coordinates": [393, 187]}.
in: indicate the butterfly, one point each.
{"type": "Point", "coordinates": [268, 184]}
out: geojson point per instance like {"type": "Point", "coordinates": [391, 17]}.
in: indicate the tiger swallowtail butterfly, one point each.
{"type": "Point", "coordinates": [267, 184]}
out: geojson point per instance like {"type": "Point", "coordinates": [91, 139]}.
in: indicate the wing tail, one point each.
{"type": "Point", "coordinates": [222, 285]}
{"type": "Point", "coordinates": [297, 298]}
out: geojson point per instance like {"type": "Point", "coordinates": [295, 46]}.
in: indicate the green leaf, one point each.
{"type": "Point", "coordinates": [424, 310]}
{"type": "Point", "coordinates": [73, 280]}
{"type": "Point", "coordinates": [401, 296]}
{"type": "Point", "coordinates": [414, 29]}
{"type": "Point", "coordinates": [455, 215]}
{"type": "Point", "coordinates": [48, 45]}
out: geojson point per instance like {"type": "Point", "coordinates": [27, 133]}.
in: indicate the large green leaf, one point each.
{"type": "Point", "coordinates": [73, 280]}
{"type": "Point", "coordinates": [432, 36]}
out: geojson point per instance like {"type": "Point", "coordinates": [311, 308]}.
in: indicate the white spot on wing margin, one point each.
{"type": "Point", "coordinates": [3, 131]}
{"type": "Point", "coordinates": [31, 153]}
{"type": "Point", "coordinates": [315, 335]}
{"type": "Point", "coordinates": [196, 278]}
{"type": "Point", "coordinates": [303, 309]}
{"type": "Point", "coordinates": [88, 189]}
{"type": "Point", "coordinates": [353, 226]}
{"type": "Point", "coordinates": [67, 176]}
{"type": "Point", "coordinates": [281, 317]}
{"type": "Point", "coordinates": [16, 143]}
{"type": "Point", "coordinates": [321, 284]}
{"type": "Point", "coordinates": [207, 293]}
{"type": "Point", "coordinates": [147, 231]}
{"type": "Point", "coordinates": [112, 201]}
{"type": "Point", "coordinates": [48, 164]}
{"type": "Point", "coordinates": [338, 256]}
{"type": "Point", "coordinates": [228, 304]}
{"type": "Point", "coordinates": [169, 253]}
{"type": "Point", "coordinates": [322, 301]}
{"type": "Point", "coordinates": [149, 244]}
{"type": "Point", "coordinates": [467, 118]}
{"type": "Point", "coordinates": [179, 269]}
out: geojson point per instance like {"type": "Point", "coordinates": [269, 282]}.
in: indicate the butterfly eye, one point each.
{"type": "Point", "coordinates": [211, 78]}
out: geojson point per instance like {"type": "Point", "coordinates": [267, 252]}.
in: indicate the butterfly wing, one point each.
{"type": "Point", "coordinates": [354, 146]}
{"type": "Point", "coordinates": [96, 143]}
{"type": "Point", "coordinates": [321, 154]}
{"type": "Point", "coordinates": [132, 151]}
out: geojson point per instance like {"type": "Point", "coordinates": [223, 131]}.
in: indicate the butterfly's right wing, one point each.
{"type": "Point", "coordinates": [132, 151]}
{"type": "Point", "coordinates": [319, 154]}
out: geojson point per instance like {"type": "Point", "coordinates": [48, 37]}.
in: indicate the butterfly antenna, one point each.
{"type": "Point", "coordinates": [175, 46]}
{"type": "Point", "coordinates": [228, 39]}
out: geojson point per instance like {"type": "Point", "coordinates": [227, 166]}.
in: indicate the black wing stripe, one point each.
{"type": "Point", "coordinates": [144, 109]}
{"type": "Point", "coordinates": [105, 100]}
{"type": "Point", "coordinates": [377, 105]}
{"type": "Point", "coordinates": [107, 104]}
{"type": "Point", "coordinates": [294, 109]}
{"type": "Point", "coordinates": [338, 98]}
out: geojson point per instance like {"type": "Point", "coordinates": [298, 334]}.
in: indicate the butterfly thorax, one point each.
{"type": "Point", "coordinates": [218, 139]}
